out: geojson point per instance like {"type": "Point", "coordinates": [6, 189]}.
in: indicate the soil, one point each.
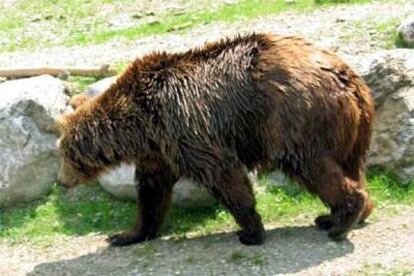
{"type": "Point", "coordinates": [384, 244]}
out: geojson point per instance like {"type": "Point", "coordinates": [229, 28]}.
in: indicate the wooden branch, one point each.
{"type": "Point", "coordinates": [103, 71]}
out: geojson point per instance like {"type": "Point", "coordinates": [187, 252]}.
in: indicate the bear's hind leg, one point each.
{"type": "Point", "coordinates": [326, 222]}
{"type": "Point", "coordinates": [346, 198]}
{"type": "Point", "coordinates": [369, 205]}
{"type": "Point", "coordinates": [233, 189]}
{"type": "Point", "coordinates": [154, 188]}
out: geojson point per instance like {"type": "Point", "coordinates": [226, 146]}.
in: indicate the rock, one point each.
{"type": "Point", "coordinates": [180, 26]}
{"type": "Point", "coordinates": [120, 183]}
{"type": "Point", "coordinates": [36, 18]}
{"type": "Point", "coordinates": [406, 31]}
{"type": "Point", "coordinates": [390, 74]}
{"type": "Point", "coordinates": [189, 194]}
{"type": "Point", "coordinates": [150, 13]}
{"type": "Point", "coordinates": [153, 22]}
{"type": "Point", "coordinates": [100, 86]}
{"type": "Point", "coordinates": [278, 179]}
{"type": "Point", "coordinates": [28, 156]}
{"type": "Point", "coordinates": [385, 72]}
{"type": "Point", "coordinates": [138, 15]}
{"type": "Point", "coordinates": [392, 147]}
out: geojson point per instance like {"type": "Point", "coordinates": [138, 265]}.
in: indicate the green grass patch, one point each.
{"type": "Point", "coordinates": [325, 2]}
{"type": "Point", "coordinates": [387, 188]}
{"type": "Point", "coordinates": [400, 43]}
{"type": "Point", "coordinates": [242, 256]}
{"type": "Point", "coordinates": [79, 84]}
{"type": "Point", "coordinates": [76, 22]}
{"type": "Point", "coordinates": [398, 268]}
{"type": "Point", "coordinates": [242, 10]}
{"type": "Point", "coordinates": [392, 38]}
{"type": "Point", "coordinates": [88, 209]}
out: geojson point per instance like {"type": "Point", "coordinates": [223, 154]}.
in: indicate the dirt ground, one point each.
{"type": "Point", "coordinates": [348, 30]}
{"type": "Point", "coordinates": [384, 245]}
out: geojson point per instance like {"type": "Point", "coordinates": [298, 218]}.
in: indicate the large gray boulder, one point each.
{"type": "Point", "coordinates": [98, 87]}
{"type": "Point", "coordinates": [385, 72]}
{"type": "Point", "coordinates": [120, 181]}
{"type": "Point", "coordinates": [393, 140]}
{"type": "Point", "coordinates": [390, 74]}
{"type": "Point", "coordinates": [28, 157]}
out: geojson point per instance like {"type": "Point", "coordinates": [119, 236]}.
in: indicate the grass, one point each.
{"type": "Point", "coordinates": [398, 268]}
{"type": "Point", "coordinates": [88, 209]}
{"type": "Point", "coordinates": [79, 84]}
{"type": "Point", "coordinates": [242, 256]}
{"type": "Point", "coordinates": [392, 38]}
{"type": "Point", "coordinates": [33, 24]}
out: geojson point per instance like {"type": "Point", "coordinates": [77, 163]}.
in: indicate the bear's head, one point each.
{"type": "Point", "coordinates": [78, 152]}
{"type": "Point", "coordinates": [68, 175]}
{"type": "Point", "coordinates": [77, 100]}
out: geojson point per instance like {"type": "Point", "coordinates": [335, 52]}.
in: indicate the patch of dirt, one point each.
{"type": "Point", "coordinates": [347, 29]}
{"type": "Point", "coordinates": [385, 245]}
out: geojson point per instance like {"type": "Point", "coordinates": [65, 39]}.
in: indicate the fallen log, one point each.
{"type": "Point", "coordinates": [103, 71]}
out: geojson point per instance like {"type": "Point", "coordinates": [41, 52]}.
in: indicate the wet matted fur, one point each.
{"type": "Point", "coordinates": [256, 101]}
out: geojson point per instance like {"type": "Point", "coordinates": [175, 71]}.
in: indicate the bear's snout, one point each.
{"type": "Point", "coordinates": [65, 177]}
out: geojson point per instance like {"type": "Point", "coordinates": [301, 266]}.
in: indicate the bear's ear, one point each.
{"type": "Point", "coordinates": [78, 100]}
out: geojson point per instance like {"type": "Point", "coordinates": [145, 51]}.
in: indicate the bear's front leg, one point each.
{"type": "Point", "coordinates": [234, 190]}
{"type": "Point", "coordinates": [154, 184]}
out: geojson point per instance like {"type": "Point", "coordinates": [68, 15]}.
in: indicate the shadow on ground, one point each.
{"type": "Point", "coordinates": [287, 250]}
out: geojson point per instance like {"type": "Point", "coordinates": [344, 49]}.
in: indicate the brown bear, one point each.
{"type": "Point", "coordinates": [257, 101]}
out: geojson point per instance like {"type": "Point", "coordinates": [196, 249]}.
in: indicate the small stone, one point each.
{"type": "Point", "coordinates": [180, 27]}
{"type": "Point", "coordinates": [153, 22]}
{"type": "Point", "coordinates": [35, 18]}
{"type": "Point", "coordinates": [137, 15]}
{"type": "Point", "coordinates": [179, 12]}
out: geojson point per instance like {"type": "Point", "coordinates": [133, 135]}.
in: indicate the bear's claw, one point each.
{"type": "Point", "coordinates": [251, 238]}
{"type": "Point", "coordinates": [324, 222]}
{"type": "Point", "coordinates": [125, 239]}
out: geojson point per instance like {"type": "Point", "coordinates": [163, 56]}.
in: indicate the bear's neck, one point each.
{"type": "Point", "coordinates": [106, 138]}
